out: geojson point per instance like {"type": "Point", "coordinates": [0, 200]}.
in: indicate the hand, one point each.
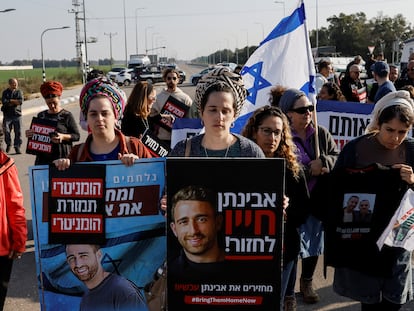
{"type": "Point", "coordinates": [15, 255]}
{"type": "Point", "coordinates": [316, 167]}
{"type": "Point", "coordinates": [128, 158]}
{"type": "Point", "coordinates": [29, 133]}
{"type": "Point", "coordinates": [57, 138]}
{"type": "Point", "coordinates": [62, 164]}
{"type": "Point", "coordinates": [163, 204]}
{"type": "Point", "coordinates": [406, 173]}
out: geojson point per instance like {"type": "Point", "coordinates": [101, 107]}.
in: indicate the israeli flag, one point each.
{"type": "Point", "coordinates": [283, 58]}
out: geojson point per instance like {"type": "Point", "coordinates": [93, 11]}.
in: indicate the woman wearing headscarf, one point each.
{"type": "Point", "coordinates": [219, 97]}
{"type": "Point", "coordinates": [102, 103]}
{"type": "Point", "coordinates": [317, 154]}
{"type": "Point", "coordinates": [387, 143]}
{"type": "Point", "coordinates": [66, 131]}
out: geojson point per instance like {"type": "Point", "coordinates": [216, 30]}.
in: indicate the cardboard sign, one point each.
{"type": "Point", "coordinates": [248, 274]}
{"type": "Point", "coordinates": [41, 141]}
{"type": "Point", "coordinates": [155, 146]}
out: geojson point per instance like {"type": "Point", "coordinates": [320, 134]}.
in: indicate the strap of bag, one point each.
{"type": "Point", "coordinates": [80, 150]}
{"type": "Point", "coordinates": [187, 147]}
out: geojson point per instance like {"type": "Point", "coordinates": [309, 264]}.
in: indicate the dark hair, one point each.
{"type": "Point", "coordinates": [217, 87]}
{"type": "Point", "coordinates": [137, 100]}
{"type": "Point", "coordinates": [194, 193]}
{"type": "Point", "coordinates": [400, 112]}
{"type": "Point", "coordinates": [287, 148]}
{"type": "Point", "coordinates": [323, 64]}
{"type": "Point", "coordinates": [170, 70]}
{"type": "Point", "coordinates": [93, 74]}
{"type": "Point", "coordinates": [276, 93]}
{"type": "Point", "coordinates": [410, 89]}
{"type": "Point", "coordinates": [335, 91]}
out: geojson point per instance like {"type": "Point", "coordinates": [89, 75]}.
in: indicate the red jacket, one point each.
{"type": "Point", "coordinates": [135, 146]}
{"type": "Point", "coordinates": [13, 228]}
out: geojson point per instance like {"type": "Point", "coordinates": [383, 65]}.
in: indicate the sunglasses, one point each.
{"type": "Point", "coordinates": [303, 110]}
{"type": "Point", "coordinates": [171, 78]}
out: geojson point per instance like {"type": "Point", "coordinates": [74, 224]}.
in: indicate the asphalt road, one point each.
{"type": "Point", "coordinates": [23, 292]}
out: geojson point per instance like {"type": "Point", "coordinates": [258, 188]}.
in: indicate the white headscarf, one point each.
{"type": "Point", "coordinates": [398, 98]}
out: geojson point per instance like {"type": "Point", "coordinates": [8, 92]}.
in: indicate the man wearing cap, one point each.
{"type": "Point", "coordinates": [12, 99]}
{"type": "Point", "coordinates": [381, 72]}
{"type": "Point", "coordinates": [66, 131]}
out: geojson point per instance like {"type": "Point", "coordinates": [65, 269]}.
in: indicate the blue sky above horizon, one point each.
{"type": "Point", "coordinates": [187, 28]}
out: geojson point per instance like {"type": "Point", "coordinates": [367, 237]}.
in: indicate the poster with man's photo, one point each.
{"type": "Point", "coordinates": [224, 239]}
{"type": "Point", "coordinates": [134, 227]}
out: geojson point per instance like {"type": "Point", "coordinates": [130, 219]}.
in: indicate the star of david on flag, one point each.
{"type": "Point", "coordinates": [283, 58]}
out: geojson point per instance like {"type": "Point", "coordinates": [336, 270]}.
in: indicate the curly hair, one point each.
{"type": "Point", "coordinates": [138, 100]}
{"type": "Point", "coordinates": [287, 148]}
{"type": "Point", "coordinates": [334, 90]}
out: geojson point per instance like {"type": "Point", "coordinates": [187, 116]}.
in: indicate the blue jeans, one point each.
{"type": "Point", "coordinates": [288, 270]}
{"type": "Point", "coordinates": [9, 124]}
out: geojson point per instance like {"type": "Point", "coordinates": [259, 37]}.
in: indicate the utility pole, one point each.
{"type": "Point", "coordinates": [111, 34]}
{"type": "Point", "coordinates": [79, 42]}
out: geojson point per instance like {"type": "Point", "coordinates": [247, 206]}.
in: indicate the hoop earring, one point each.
{"type": "Point", "coordinates": [232, 125]}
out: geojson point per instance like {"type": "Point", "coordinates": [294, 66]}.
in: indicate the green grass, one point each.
{"type": "Point", "coordinates": [30, 80]}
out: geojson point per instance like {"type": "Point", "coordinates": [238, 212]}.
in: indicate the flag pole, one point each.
{"type": "Point", "coordinates": [312, 95]}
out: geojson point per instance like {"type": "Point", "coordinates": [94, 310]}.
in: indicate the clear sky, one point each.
{"type": "Point", "coordinates": [188, 28]}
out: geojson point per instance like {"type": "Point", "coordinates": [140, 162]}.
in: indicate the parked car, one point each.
{"type": "Point", "coordinates": [151, 75]}
{"type": "Point", "coordinates": [113, 72]}
{"type": "Point", "coordinates": [197, 76]}
{"type": "Point", "coordinates": [182, 77]}
{"type": "Point", "coordinates": [125, 77]}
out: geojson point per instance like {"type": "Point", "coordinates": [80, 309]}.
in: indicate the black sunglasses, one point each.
{"type": "Point", "coordinates": [303, 110]}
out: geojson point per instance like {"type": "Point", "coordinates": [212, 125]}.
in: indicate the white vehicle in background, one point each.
{"type": "Point", "coordinates": [113, 72]}
{"type": "Point", "coordinates": [125, 77]}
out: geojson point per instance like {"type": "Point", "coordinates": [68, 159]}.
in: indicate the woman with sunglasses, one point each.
{"type": "Point", "coordinates": [269, 128]}
{"type": "Point", "coordinates": [136, 120]}
{"type": "Point", "coordinates": [316, 162]}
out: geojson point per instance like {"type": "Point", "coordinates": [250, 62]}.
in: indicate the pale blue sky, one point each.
{"type": "Point", "coordinates": [188, 28]}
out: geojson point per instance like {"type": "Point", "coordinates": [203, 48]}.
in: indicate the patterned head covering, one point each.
{"type": "Point", "coordinates": [398, 98]}
{"type": "Point", "coordinates": [50, 89]}
{"type": "Point", "coordinates": [102, 86]}
{"type": "Point", "coordinates": [226, 77]}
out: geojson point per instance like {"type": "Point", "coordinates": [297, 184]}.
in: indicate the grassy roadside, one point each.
{"type": "Point", "coordinates": [30, 80]}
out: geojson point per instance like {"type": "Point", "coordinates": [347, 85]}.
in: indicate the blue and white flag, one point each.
{"type": "Point", "coordinates": [283, 58]}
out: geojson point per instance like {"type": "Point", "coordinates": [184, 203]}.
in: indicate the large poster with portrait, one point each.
{"type": "Point", "coordinates": [359, 206]}
{"type": "Point", "coordinates": [134, 229]}
{"type": "Point", "coordinates": [224, 240]}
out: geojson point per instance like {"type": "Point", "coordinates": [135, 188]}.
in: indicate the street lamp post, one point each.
{"type": "Point", "coordinates": [247, 42]}
{"type": "Point", "coordinates": [7, 10]}
{"type": "Point", "coordinates": [111, 34]}
{"type": "Point", "coordinates": [125, 38]}
{"type": "Point", "coordinates": [136, 29]}
{"type": "Point", "coordinates": [146, 40]}
{"type": "Point", "coordinates": [41, 48]}
{"type": "Point", "coordinates": [258, 23]}
{"type": "Point", "coordinates": [236, 49]}
{"type": "Point", "coordinates": [284, 9]}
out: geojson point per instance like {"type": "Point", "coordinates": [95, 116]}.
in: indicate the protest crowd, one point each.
{"type": "Point", "coordinates": [339, 140]}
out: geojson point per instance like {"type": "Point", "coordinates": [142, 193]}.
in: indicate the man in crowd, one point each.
{"type": "Point", "coordinates": [171, 77]}
{"type": "Point", "coordinates": [409, 79]}
{"type": "Point", "coordinates": [324, 70]}
{"type": "Point", "coordinates": [394, 73]}
{"type": "Point", "coordinates": [381, 71]}
{"type": "Point", "coordinates": [12, 100]}
{"type": "Point", "coordinates": [352, 87]}
{"type": "Point", "coordinates": [106, 291]}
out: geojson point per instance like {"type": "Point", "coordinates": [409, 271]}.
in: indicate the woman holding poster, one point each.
{"type": "Point", "coordinates": [102, 103]}
{"type": "Point", "coordinates": [54, 130]}
{"type": "Point", "coordinates": [269, 128]}
{"type": "Point", "coordinates": [219, 97]}
{"type": "Point", "coordinates": [317, 153]}
{"type": "Point", "coordinates": [380, 279]}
